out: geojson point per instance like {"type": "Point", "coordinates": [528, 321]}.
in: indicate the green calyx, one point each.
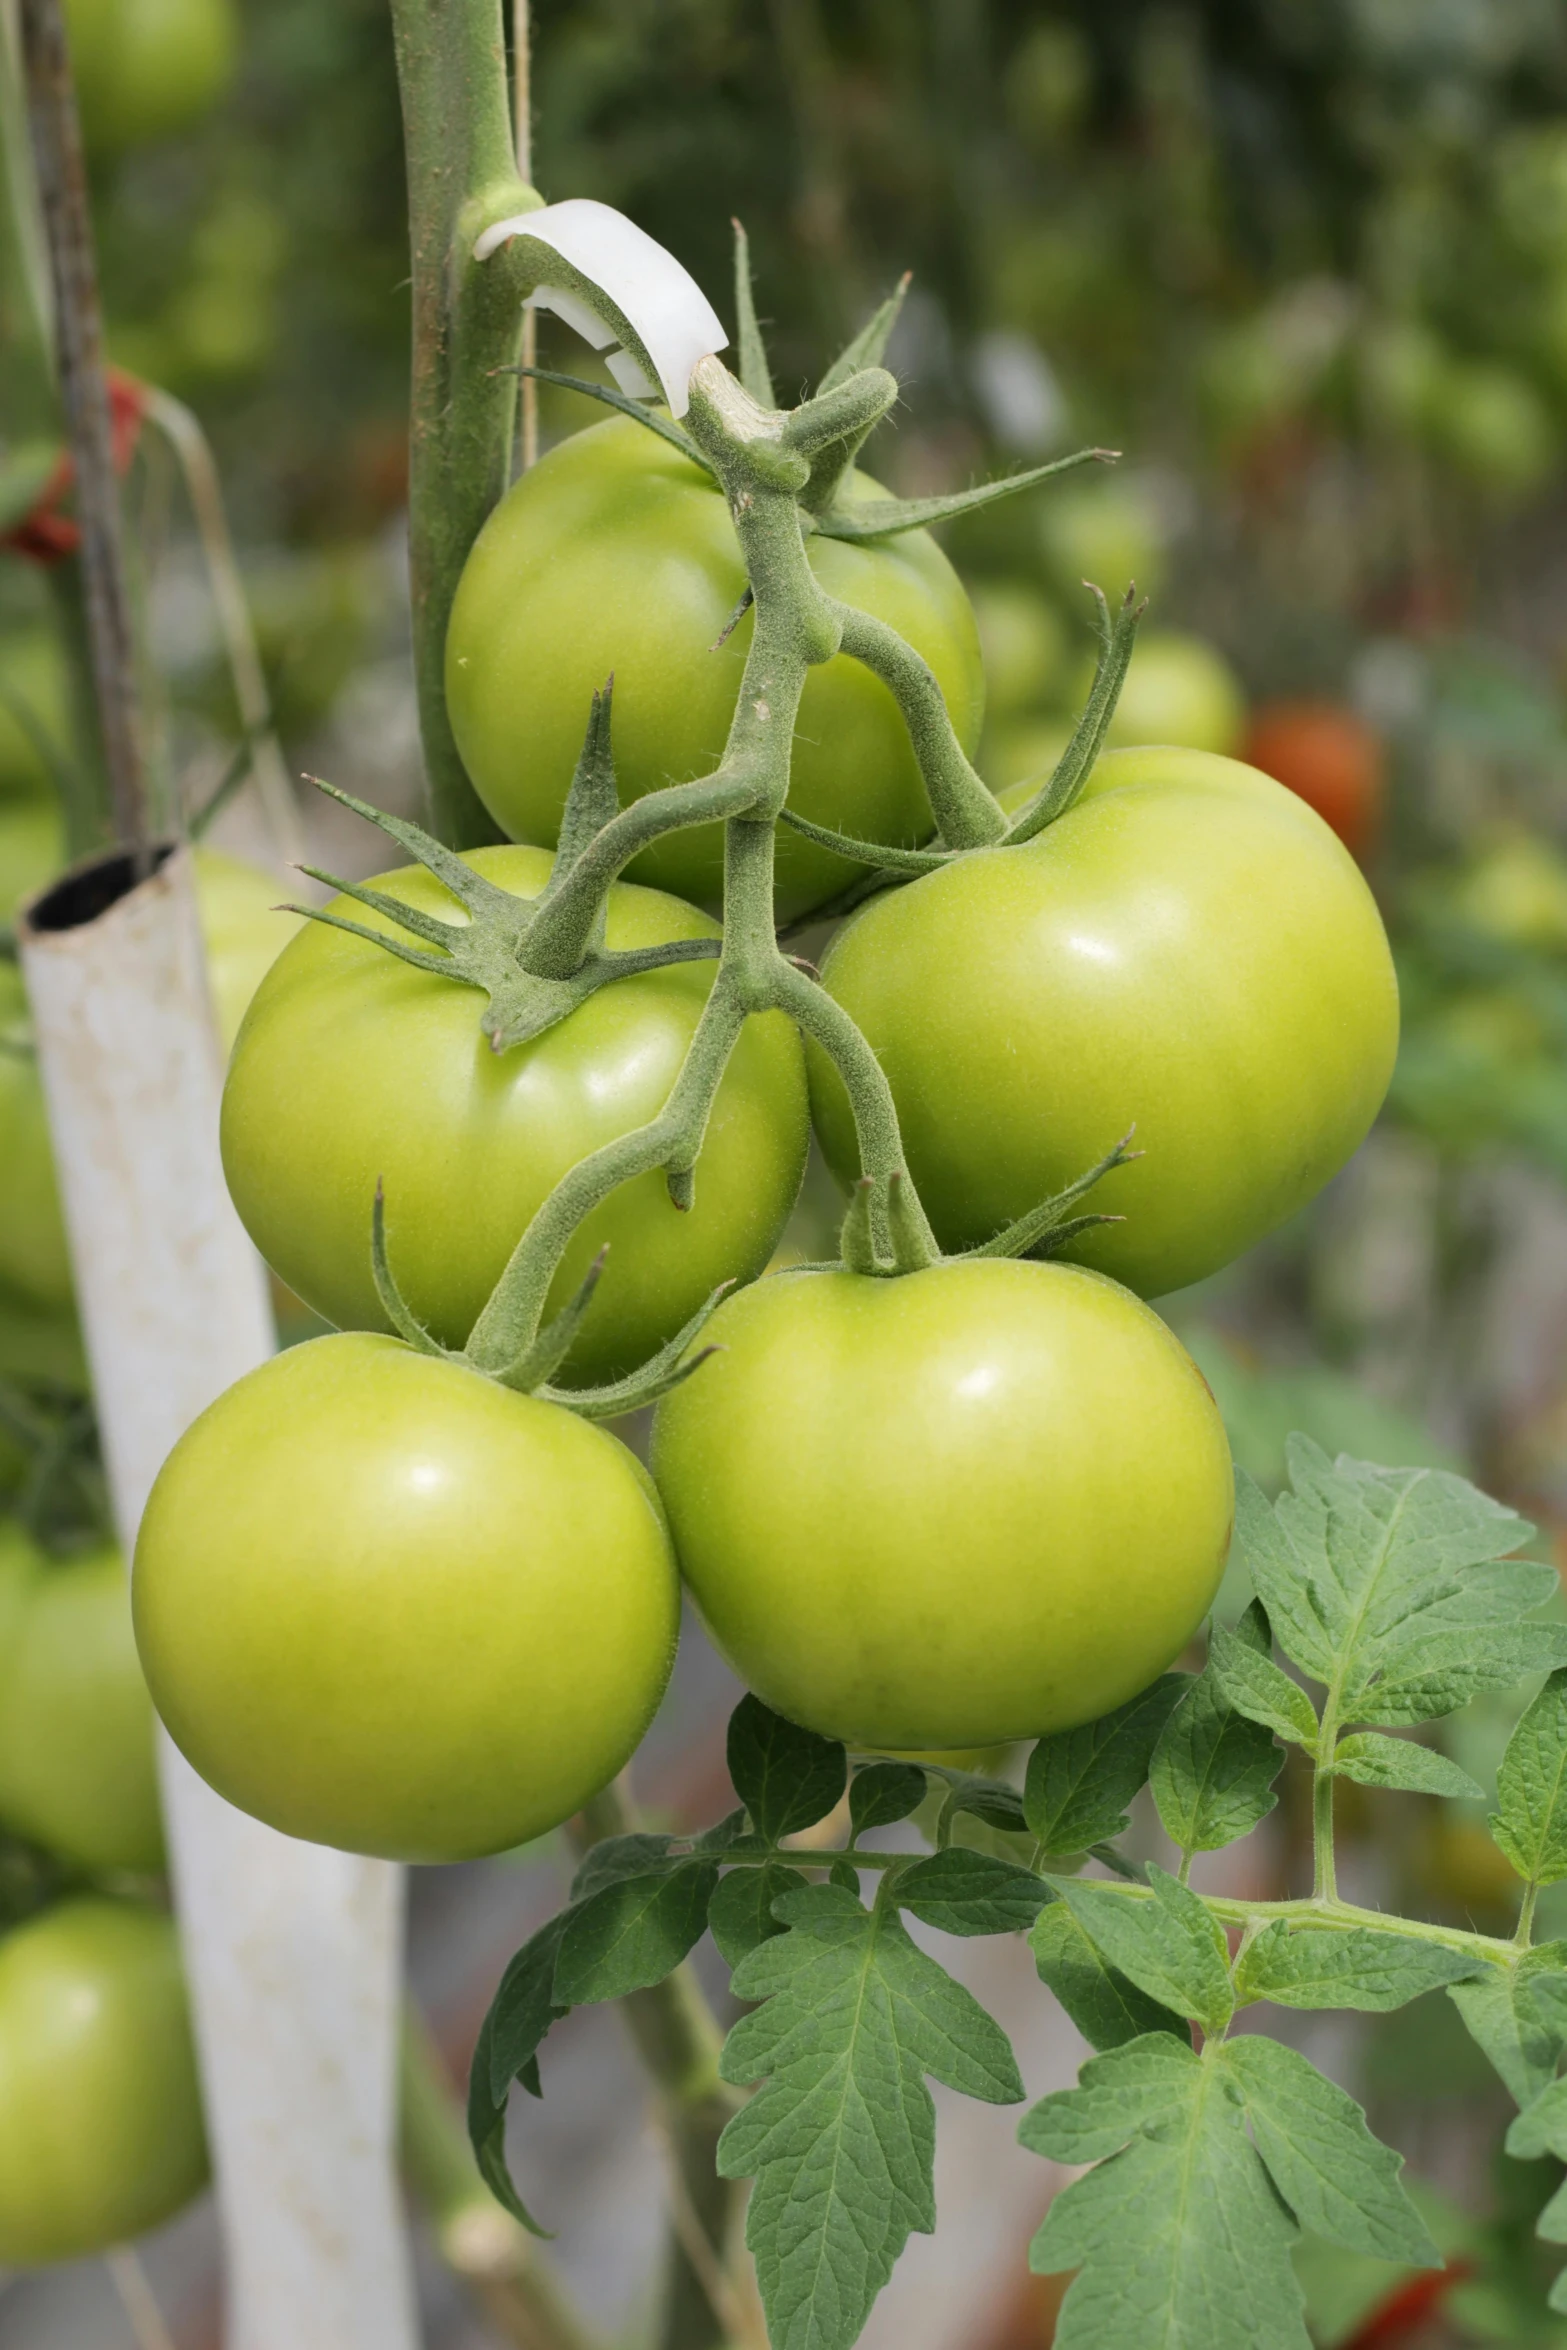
{"type": "Point", "coordinates": [1043, 1233]}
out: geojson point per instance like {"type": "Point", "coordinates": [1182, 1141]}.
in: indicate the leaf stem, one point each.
{"type": "Point", "coordinates": [1324, 1870]}
{"type": "Point", "coordinates": [1525, 1932]}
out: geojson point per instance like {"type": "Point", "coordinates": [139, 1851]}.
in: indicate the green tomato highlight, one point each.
{"type": "Point", "coordinates": [101, 2132]}
{"type": "Point", "coordinates": [353, 1067]}
{"type": "Point", "coordinates": [974, 1504]}
{"type": "Point", "coordinates": [385, 1604]}
{"type": "Point", "coordinates": [1190, 952]}
{"type": "Point", "coordinates": [78, 1772]}
{"type": "Point", "coordinates": [616, 554]}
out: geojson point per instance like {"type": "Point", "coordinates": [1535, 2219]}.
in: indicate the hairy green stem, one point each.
{"type": "Point", "coordinates": [1525, 1931]}
{"type": "Point", "coordinates": [462, 175]}
{"type": "Point", "coordinates": [678, 2039]}
{"type": "Point", "coordinates": [967, 815]}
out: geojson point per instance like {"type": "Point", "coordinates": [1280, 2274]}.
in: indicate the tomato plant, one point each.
{"type": "Point", "coordinates": [100, 2115]}
{"type": "Point", "coordinates": [617, 555]}
{"type": "Point", "coordinates": [1188, 950]}
{"type": "Point", "coordinates": [862, 1448]}
{"type": "Point", "coordinates": [77, 1770]}
{"type": "Point", "coordinates": [1179, 689]}
{"type": "Point", "coordinates": [1331, 757]}
{"type": "Point", "coordinates": [354, 1069]}
{"type": "Point", "coordinates": [383, 1602]}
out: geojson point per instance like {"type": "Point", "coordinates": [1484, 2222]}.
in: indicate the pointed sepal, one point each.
{"type": "Point", "coordinates": [668, 1369]}
{"type": "Point", "coordinates": [1072, 769]}
{"type": "Point", "coordinates": [393, 1303]}
{"type": "Point", "coordinates": [868, 348]}
{"type": "Point", "coordinates": [1047, 1229]}
{"type": "Point", "coordinates": [531, 1367]}
{"type": "Point", "coordinates": [883, 855]}
{"type": "Point", "coordinates": [755, 374]}
{"type": "Point", "coordinates": [623, 405]}
{"type": "Point", "coordinates": [878, 518]}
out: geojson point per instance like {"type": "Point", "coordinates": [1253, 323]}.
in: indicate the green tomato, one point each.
{"type": "Point", "coordinates": [617, 554]}
{"type": "Point", "coordinates": [1189, 950]}
{"type": "Point", "coordinates": [385, 1604]}
{"type": "Point", "coordinates": [100, 2109]}
{"type": "Point", "coordinates": [1494, 427]}
{"type": "Point", "coordinates": [34, 730]}
{"type": "Point", "coordinates": [1515, 889]}
{"type": "Point", "coordinates": [242, 936]}
{"type": "Point", "coordinates": [148, 68]}
{"type": "Point", "coordinates": [1023, 641]}
{"type": "Point", "coordinates": [354, 1067]}
{"type": "Point", "coordinates": [1024, 753]}
{"type": "Point", "coordinates": [1106, 528]}
{"type": "Point", "coordinates": [77, 1769]}
{"type": "Point", "coordinates": [974, 1504]}
{"type": "Point", "coordinates": [1179, 690]}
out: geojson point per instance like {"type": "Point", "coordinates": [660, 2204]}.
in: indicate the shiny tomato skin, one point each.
{"type": "Point", "coordinates": [78, 1772]}
{"type": "Point", "coordinates": [617, 554]}
{"type": "Point", "coordinates": [968, 1505]}
{"type": "Point", "coordinates": [1331, 758]}
{"type": "Point", "coordinates": [1189, 951]}
{"type": "Point", "coordinates": [385, 1604]}
{"type": "Point", "coordinates": [353, 1067]}
{"type": "Point", "coordinates": [101, 2133]}
{"type": "Point", "coordinates": [243, 930]}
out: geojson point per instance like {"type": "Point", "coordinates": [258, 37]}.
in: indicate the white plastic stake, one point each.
{"type": "Point", "coordinates": [292, 1950]}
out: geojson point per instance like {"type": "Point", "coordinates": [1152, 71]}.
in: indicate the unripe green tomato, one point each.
{"type": "Point", "coordinates": [354, 1068]}
{"type": "Point", "coordinates": [1516, 889]}
{"type": "Point", "coordinates": [147, 68]}
{"type": "Point", "coordinates": [1491, 424]}
{"type": "Point", "coordinates": [1024, 753]}
{"type": "Point", "coordinates": [385, 1604]}
{"type": "Point", "coordinates": [1189, 950]}
{"type": "Point", "coordinates": [1023, 641]}
{"type": "Point", "coordinates": [101, 2132]}
{"type": "Point", "coordinates": [617, 554]}
{"type": "Point", "coordinates": [243, 935]}
{"type": "Point", "coordinates": [33, 722]}
{"type": "Point", "coordinates": [1178, 690]}
{"type": "Point", "coordinates": [77, 1769]}
{"type": "Point", "coordinates": [979, 1503]}
{"type": "Point", "coordinates": [1105, 528]}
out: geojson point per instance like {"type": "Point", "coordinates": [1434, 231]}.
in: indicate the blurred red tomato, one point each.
{"type": "Point", "coordinates": [1331, 758]}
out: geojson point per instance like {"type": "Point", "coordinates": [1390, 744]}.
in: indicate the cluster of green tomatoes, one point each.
{"type": "Point", "coordinates": [390, 1603]}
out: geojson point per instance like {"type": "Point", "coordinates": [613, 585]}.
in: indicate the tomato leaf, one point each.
{"type": "Point", "coordinates": [990, 1800]}
{"type": "Point", "coordinates": [1182, 2232]}
{"type": "Point", "coordinates": [841, 2138]}
{"type": "Point", "coordinates": [741, 1911]}
{"type": "Point", "coordinates": [786, 1777]}
{"type": "Point", "coordinates": [633, 1931]}
{"type": "Point", "coordinates": [963, 1892]}
{"type": "Point", "coordinates": [1170, 1947]}
{"type": "Point", "coordinates": [1517, 2017]}
{"type": "Point", "coordinates": [1248, 1679]}
{"type": "Point", "coordinates": [1106, 2006]}
{"type": "Point", "coordinates": [1081, 1782]}
{"type": "Point", "coordinates": [1395, 1585]}
{"type": "Point", "coordinates": [1213, 1769]}
{"type": "Point", "coordinates": [617, 1857]}
{"type": "Point", "coordinates": [1313, 1966]}
{"type": "Point", "coordinates": [884, 1792]}
{"type": "Point", "coordinates": [1179, 2234]}
{"type": "Point", "coordinates": [1530, 1822]}
{"type": "Point", "coordinates": [519, 2015]}
{"type": "Point", "coordinates": [1374, 1761]}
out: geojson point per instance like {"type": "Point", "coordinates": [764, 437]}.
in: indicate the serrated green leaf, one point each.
{"type": "Point", "coordinates": [841, 2139]}
{"type": "Point", "coordinates": [964, 1892]}
{"type": "Point", "coordinates": [1179, 2235]}
{"type": "Point", "coordinates": [1517, 2018]}
{"type": "Point", "coordinates": [616, 1857]}
{"type": "Point", "coordinates": [1438, 1676]}
{"type": "Point", "coordinates": [1530, 1822]}
{"type": "Point", "coordinates": [1106, 2006]}
{"type": "Point", "coordinates": [1373, 1761]}
{"type": "Point", "coordinates": [633, 1932]}
{"type": "Point", "coordinates": [740, 1912]}
{"type": "Point", "coordinates": [1171, 1946]}
{"type": "Point", "coordinates": [786, 1777]}
{"type": "Point", "coordinates": [733, 1833]}
{"type": "Point", "coordinates": [1247, 1678]}
{"type": "Point", "coordinates": [518, 2017]}
{"type": "Point", "coordinates": [1280, 1581]}
{"type": "Point", "coordinates": [883, 1793]}
{"type": "Point", "coordinates": [1317, 1966]}
{"type": "Point", "coordinates": [990, 1800]}
{"type": "Point", "coordinates": [842, 1871]}
{"type": "Point", "coordinates": [1340, 2181]}
{"type": "Point", "coordinates": [1541, 2128]}
{"type": "Point", "coordinates": [1393, 1585]}
{"type": "Point", "coordinates": [1213, 1770]}
{"type": "Point", "coordinates": [1081, 1782]}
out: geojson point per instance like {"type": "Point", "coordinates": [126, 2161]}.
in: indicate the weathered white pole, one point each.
{"type": "Point", "coordinates": [292, 1950]}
